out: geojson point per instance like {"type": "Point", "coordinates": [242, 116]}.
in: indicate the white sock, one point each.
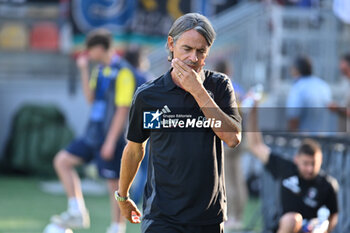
{"type": "Point", "coordinates": [75, 205]}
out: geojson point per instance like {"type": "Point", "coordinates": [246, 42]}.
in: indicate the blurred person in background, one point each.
{"type": "Point", "coordinates": [236, 189]}
{"type": "Point", "coordinates": [136, 57]}
{"type": "Point", "coordinates": [109, 89]}
{"type": "Point", "coordinates": [307, 99]}
{"type": "Point", "coordinates": [305, 188]}
{"type": "Point", "coordinates": [343, 109]}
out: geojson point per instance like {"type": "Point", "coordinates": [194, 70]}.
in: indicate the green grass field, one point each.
{"type": "Point", "coordinates": [24, 208]}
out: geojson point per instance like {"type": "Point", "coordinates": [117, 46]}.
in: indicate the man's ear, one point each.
{"type": "Point", "coordinates": [171, 44]}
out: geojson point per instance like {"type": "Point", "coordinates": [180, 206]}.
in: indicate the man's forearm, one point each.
{"type": "Point", "coordinates": [230, 130]}
{"type": "Point", "coordinates": [254, 135]}
{"type": "Point", "coordinates": [131, 160]}
{"type": "Point", "coordinates": [118, 123]}
{"type": "Point", "coordinates": [333, 220]}
{"type": "Point", "coordinates": [84, 73]}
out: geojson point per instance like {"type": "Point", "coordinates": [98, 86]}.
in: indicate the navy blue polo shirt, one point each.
{"type": "Point", "coordinates": [185, 180]}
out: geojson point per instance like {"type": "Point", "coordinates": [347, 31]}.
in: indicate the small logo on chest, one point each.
{"type": "Point", "coordinates": [310, 196]}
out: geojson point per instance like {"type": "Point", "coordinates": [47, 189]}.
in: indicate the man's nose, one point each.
{"type": "Point", "coordinates": [310, 168]}
{"type": "Point", "coordinates": [193, 57]}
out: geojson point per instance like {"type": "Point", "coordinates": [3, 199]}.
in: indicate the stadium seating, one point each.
{"type": "Point", "coordinates": [44, 36]}
{"type": "Point", "coordinates": [13, 36]}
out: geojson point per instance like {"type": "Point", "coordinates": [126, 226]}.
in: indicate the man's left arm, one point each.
{"type": "Point", "coordinates": [230, 130]}
{"type": "Point", "coordinates": [332, 203]}
{"type": "Point", "coordinates": [124, 91]}
{"type": "Point", "coordinates": [333, 220]}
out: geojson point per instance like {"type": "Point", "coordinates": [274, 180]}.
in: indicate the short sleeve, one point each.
{"type": "Point", "coordinates": [227, 101]}
{"type": "Point", "coordinates": [331, 201]}
{"type": "Point", "coordinates": [136, 132]}
{"type": "Point", "coordinates": [294, 103]}
{"type": "Point", "coordinates": [279, 167]}
{"type": "Point", "coordinates": [93, 78]}
{"type": "Point", "coordinates": [124, 87]}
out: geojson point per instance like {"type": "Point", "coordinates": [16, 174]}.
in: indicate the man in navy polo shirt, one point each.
{"type": "Point", "coordinates": [185, 114]}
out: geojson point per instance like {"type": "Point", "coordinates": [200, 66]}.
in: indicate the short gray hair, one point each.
{"type": "Point", "coordinates": [189, 21]}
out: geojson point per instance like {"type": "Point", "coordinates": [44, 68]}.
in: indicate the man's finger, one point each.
{"type": "Point", "coordinates": [178, 67]}
{"type": "Point", "coordinates": [135, 217]}
{"type": "Point", "coordinates": [183, 65]}
{"type": "Point", "coordinates": [127, 217]}
{"type": "Point", "coordinates": [178, 74]}
{"type": "Point", "coordinates": [138, 213]}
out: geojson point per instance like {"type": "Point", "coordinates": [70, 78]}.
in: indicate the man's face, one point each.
{"type": "Point", "coordinates": [191, 48]}
{"type": "Point", "coordinates": [345, 68]}
{"type": "Point", "coordinates": [308, 165]}
{"type": "Point", "coordinates": [294, 72]}
{"type": "Point", "coordinates": [96, 53]}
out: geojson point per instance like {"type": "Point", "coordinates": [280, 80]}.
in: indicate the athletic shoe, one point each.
{"type": "Point", "coordinates": [53, 228]}
{"type": "Point", "coordinates": [72, 220]}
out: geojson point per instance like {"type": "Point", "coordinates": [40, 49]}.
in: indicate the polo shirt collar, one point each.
{"type": "Point", "coordinates": [169, 83]}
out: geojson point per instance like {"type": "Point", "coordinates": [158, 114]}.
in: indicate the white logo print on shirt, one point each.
{"type": "Point", "coordinates": [309, 199]}
{"type": "Point", "coordinates": [292, 183]}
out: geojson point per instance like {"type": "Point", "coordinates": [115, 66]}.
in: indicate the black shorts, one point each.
{"type": "Point", "coordinates": [108, 169]}
{"type": "Point", "coordinates": [157, 226]}
{"type": "Point", "coordinates": [88, 148]}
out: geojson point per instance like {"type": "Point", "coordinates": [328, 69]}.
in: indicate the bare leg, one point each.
{"type": "Point", "coordinates": [64, 164]}
{"type": "Point", "coordinates": [76, 216]}
{"type": "Point", "coordinates": [290, 223]}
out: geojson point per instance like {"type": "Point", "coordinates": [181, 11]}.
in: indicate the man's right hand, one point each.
{"type": "Point", "coordinates": [82, 61]}
{"type": "Point", "coordinates": [254, 137]}
{"type": "Point", "coordinates": [130, 211]}
{"type": "Point", "coordinates": [333, 107]}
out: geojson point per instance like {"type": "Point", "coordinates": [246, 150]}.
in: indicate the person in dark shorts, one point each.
{"type": "Point", "coordinates": [185, 115]}
{"type": "Point", "coordinates": [305, 188]}
{"type": "Point", "coordinates": [109, 89]}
